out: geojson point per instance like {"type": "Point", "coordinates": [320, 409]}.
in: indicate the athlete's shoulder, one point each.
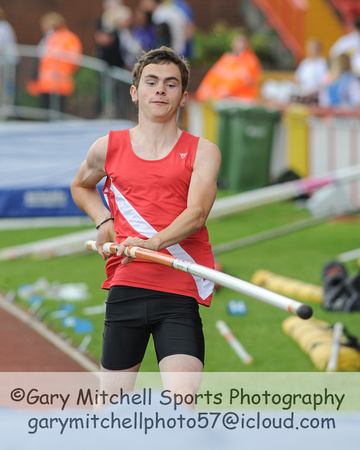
{"type": "Point", "coordinates": [202, 142]}
{"type": "Point", "coordinates": [207, 154]}
{"type": "Point", "coordinates": [207, 146]}
{"type": "Point", "coordinates": [100, 144]}
{"type": "Point", "coordinates": [97, 153]}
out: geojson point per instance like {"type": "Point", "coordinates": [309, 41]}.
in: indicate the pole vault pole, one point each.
{"type": "Point", "coordinates": [236, 284]}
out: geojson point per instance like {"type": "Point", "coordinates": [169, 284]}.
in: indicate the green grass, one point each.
{"type": "Point", "coordinates": [299, 255]}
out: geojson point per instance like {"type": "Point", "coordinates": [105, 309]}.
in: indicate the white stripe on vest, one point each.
{"type": "Point", "coordinates": [204, 287]}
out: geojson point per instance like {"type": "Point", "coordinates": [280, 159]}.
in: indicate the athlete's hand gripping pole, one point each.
{"type": "Point", "coordinates": [236, 284]}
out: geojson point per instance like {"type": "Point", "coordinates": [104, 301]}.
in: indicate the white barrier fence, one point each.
{"type": "Point", "coordinates": [334, 144]}
{"type": "Point", "coordinates": [320, 141]}
{"type": "Point", "coordinates": [101, 91]}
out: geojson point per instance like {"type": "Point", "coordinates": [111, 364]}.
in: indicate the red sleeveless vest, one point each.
{"type": "Point", "coordinates": [145, 196]}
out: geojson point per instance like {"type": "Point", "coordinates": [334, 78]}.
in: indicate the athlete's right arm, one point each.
{"type": "Point", "coordinates": [86, 195]}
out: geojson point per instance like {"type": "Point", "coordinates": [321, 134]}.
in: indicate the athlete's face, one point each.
{"type": "Point", "coordinates": [159, 92]}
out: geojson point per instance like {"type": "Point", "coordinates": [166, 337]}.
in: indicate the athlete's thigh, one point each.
{"type": "Point", "coordinates": [126, 333]}
{"type": "Point", "coordinates": [177, 328]}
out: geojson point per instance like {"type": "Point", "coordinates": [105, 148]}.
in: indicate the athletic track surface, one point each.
{"type": "Point", "coordinates": [29, 346]}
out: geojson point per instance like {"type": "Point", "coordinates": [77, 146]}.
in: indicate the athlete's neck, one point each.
{"type": "Point", "coordinates": [154, 142]}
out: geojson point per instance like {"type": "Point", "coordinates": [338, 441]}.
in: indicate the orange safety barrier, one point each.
{"type": "Point", "coordinates": [287, 17]}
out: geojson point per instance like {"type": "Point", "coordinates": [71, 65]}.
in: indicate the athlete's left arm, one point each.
{"type": "Point", "coordinates": [201, 196]}
{"type": "Point", "coordinates": [203, 184]}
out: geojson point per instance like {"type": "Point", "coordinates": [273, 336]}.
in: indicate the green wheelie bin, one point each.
{"type": "Point", "coordinates": [246, 135]}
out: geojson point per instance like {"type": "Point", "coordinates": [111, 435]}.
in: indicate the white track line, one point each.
{"type": "Point", "coordinates": [52, 337]}
{"type": "Point", "coordinates": [43, 222]}
{"type": "Point", "coordinates": [55, 246]}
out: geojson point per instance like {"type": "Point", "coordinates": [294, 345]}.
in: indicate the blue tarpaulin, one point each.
{"type": "Point", "coordinates": [38, 161]}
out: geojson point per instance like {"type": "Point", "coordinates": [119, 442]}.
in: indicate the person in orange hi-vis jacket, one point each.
{"type": "Point", "coordinates": [60, 52]}
{"type": "Point", "coordinates": [235, 74]}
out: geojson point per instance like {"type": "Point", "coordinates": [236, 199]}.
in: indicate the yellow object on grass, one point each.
{"type": "Point", "coordinates": [286, 286]}
{"type": "Point", "coordinates": [315, 338]}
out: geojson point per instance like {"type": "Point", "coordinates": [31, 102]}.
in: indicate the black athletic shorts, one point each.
{"type": "Point", "coordinates": [132, 314]}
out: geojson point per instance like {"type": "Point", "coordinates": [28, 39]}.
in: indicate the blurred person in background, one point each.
{"type": "Point", "coordinates": [350, 45]}
{"type": "Point", "coordinates": [161, 29]}
{"type": "Point", "coordinates": [107, 45]}
{"type": "Point", "coordinates": [167, 14]}
{"type": "Point", "coordinates": [311, 71]}
{"type": "Point", "coordinates": [61, 54]}
{"type": "Point", "coordinates": [144, 29]}
{"type": "Point", "coordinates": [190, 26]}
{"type": "Point", "coordinates": [342, 88]}
{"type": "Point", "coordinates": [130, 44]}
{"type": "Point", "coordinates": [48, 24]}
{"type": "Point", "coordinates": [8, 61]}
{"type": "Point", "coordinates": [236, 74]}
{"type": "Point", "coordinates": [8, 42]}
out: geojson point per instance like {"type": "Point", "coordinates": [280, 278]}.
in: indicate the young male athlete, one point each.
{"type": "Point", "coordinates": [160, 187]}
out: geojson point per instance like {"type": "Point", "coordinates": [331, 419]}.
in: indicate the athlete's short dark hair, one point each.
{"type": "Point", "coordinates": [162, 55]}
